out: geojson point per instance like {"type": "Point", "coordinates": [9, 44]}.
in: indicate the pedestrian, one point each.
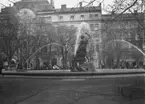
{"type": "Point", "coordinates": [53, 61]}
{"type": "Point", "coordinates": [19, 66]}
{"type": "Point", "coordinates": [1, 66]}
{"type": "Point", "coordinates": [25, 66]}
{"type": "Point", "coordinates": [5, 65]}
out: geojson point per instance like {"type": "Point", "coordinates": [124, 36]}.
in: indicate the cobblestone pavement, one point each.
{"type": "Point", "coordinates": [119, 90]}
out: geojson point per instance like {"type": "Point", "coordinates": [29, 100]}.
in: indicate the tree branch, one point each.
{"type": "Point", "coordinates": [123, 12]}
{"type": "Point", "coordinates": [89, 3]}
{"type": "Point", "coordinates": [126, 9]}
{"type": "Point", "coordinates": [3, 4]}
{"type": "Point", "coordinates": [137, 20]}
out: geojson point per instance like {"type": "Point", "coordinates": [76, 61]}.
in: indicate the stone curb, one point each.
{"type": "Point", "coordinates": [66, 73]}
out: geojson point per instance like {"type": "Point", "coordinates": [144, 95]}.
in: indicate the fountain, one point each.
{"type": "Point", "coordinates": [83, 40]}
{"type": "Point", "coordinates": [34, 53]}
{"type": "Point", "coordinates": [132, 45]}
{"type": "Point", "coordinates": [120, 40]}
{"type": "Point", "coordinates": [31, 56]}
{"type": "Point", "coordinates": [46, 45]}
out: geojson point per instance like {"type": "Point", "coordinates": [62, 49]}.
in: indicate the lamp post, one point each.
{"type": "Point", "coordinates": [95, 55]}
{"type": "Point", "coordinates": [96, 42]}
{"type": "Point", "coordinates": [143, 8]}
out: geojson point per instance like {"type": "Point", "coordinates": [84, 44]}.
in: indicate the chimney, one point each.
{"type": "Point", "coordinates": [52, 2]}
{"type": "Point", "coordinates": [81, 4]}
{"type": "Point", "coordinates": [100, 4]}
{"type": "Point", "coordinates": [113, 12]}
{"type": "Point", "coordinates": [63, 7]}
{"type": "Point", "coordinates": [135, 11]}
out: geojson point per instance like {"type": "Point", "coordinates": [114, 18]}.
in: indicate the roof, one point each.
{"type": "Point", "coordinates": [82, 9]}
{"type": "Point", "coordinates": [72, 10]}
{"type": "Point", "coordinates": [124, 16]}
{"type": "Point", "coordinates": [35, 5]}
{"type": "Point", "coordinates": [35, 1]}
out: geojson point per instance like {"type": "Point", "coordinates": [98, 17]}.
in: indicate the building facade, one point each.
{"type": "Point", "coordinates": [128, 26]}
{"type": "Point", "coordinates": [63, 16]}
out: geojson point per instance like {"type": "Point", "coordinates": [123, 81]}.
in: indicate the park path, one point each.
{"type": "Point", "coordinates": [79, 92]}
{"type": "Point", "coordinates": [101, 90]}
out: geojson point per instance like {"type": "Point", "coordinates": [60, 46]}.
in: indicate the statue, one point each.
{"type": "Point", "coordinates": [82, 41]}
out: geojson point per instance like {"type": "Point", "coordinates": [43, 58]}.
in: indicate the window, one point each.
{"type": "Point", "coordinates": [71, 18]}
{"type": "Point", "coordinates": [96, 15]}
{"type": "Point", "coordinates": [60, 18]}
{"type": "Point", "coordinates": [91, 16]}
{"type": "Point", "coordinates": [45, 19]}
{"type": "Point", "coordinates": [72, 26]}
{"type": "Point", "coordinates": [82, 17]}
{"type": "Point", "coordinates": [94, 27]}
{"type": "Point", "coordinates": [5, 22]}
{"type": "Point", "coordinates": [129, 36]}
{"type": "Point", "coordinates": [136, 37]}
{"type": "Point", "coordinates": [50, 18]}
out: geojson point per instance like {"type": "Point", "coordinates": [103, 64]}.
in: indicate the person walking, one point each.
{"type": "Point", "coordinates": [53, 62]}
{"type": "Point", "coordinates": [1, 65]}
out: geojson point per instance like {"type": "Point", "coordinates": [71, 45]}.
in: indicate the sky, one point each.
{"type": "Point", "coordinates": [58, 3]}
{"type": "Point", "coordinates": [74, 3]}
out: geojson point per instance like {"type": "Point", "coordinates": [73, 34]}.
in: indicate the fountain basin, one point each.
{"type": "Point", "coordinates": [58, 73]}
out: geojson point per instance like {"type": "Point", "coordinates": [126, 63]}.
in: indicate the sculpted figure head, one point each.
{"type": "Point", "coordinates": [82, 34]}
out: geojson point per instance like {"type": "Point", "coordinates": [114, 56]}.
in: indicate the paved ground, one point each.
{"type": "Point", "coordinates": [100, 90]}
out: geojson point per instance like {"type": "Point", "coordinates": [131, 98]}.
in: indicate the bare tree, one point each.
{"type": "Point", "coordinates": [9, 35]}
{"type": "Point", "coordinates": [66, 36]}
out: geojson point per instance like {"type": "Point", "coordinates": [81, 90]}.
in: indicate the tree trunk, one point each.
{"type": "Point", "coordinates": [118, 60]}
{"type": "Point", "coordinates": [66, 65]}
{"type": "Point", "coordinates": [50, 54]}
{"type": "Point", "coordinates": [37, 63]}
{"type": "Point", "coordinates": [63, 57]}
